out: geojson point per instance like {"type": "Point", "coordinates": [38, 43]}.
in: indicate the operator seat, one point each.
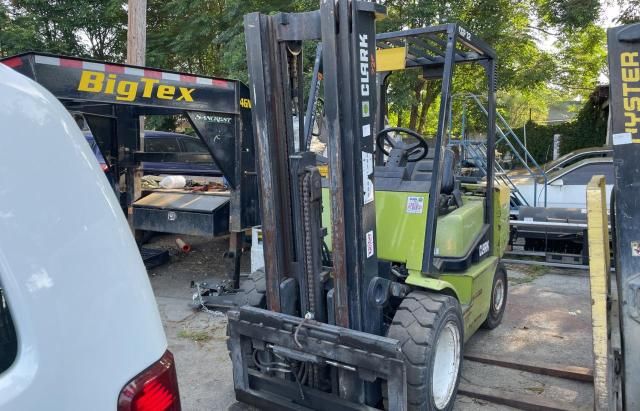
{"type": "Point", "coordinates": [449, 187]}
{"type": "Point", "coordinates": [450, 194]}
{"type": "Point", "coordinates": [399, 175]}
{"type": "Point", "coordinates": [448, 173]}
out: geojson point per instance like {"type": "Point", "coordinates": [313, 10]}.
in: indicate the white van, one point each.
{"type": "Point", "coordinates": [79, 325]}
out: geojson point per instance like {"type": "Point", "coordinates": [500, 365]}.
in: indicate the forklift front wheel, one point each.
{"type": "Point", "coordinates": [430, 330]}
{"type": "Point", "coordinates": [254, 289]}
{"type": "Point", "coordinates": [499, 291]}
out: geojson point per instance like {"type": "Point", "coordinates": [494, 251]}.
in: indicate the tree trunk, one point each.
{"type": "Point", "coordinates": [413, 119]}
{"type": "Point", "coordinates": [427, 101]}
{"type": "Point", "coordinates": [424, 110]}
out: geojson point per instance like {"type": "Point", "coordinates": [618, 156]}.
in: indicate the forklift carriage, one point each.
{"type": "Point", "coordinates": [113, 97]}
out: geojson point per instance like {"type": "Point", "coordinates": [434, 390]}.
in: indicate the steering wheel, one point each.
{"type": "Point", "coordinates": [414, 153]}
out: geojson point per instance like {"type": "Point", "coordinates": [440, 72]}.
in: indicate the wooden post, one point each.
{"type": "Point", "coordinates": [599, 266]}
{"type": "Point", "coordinates": [136, 49]}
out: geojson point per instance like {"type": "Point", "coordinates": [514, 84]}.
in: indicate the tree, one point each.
{"type": "Point", "coordinates": [522, 65]}
{"type": "Point", "coordinates": [207, 37]}
{"type": "Point", "coordinates": [525, 69]}
{"type": "Point", "coordinates": [92, 28]}
{"type": "Point", "coordinates": [103, 24]}
{"type": "Point", "coordinates": [581, 58]}
{"type": "Point", "coordinates": [630, 12]}
{"type": "Point", "coordinates": [568, 15]}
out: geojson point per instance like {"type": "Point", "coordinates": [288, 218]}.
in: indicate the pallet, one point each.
{"type": "Point", "coordinates": [520, 400]}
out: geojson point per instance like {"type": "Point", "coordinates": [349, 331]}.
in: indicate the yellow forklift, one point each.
{"type": "Point", "coordinates": [377, 275]}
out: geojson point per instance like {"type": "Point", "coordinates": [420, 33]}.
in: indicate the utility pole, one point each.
{"type": "Point", "coordinates": [136, 49]}
{"type": "Point", "coordinates": [137, 32]}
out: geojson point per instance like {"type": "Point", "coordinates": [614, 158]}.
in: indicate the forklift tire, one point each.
{"type": "Point", "coordinates": [499, 292]}
{"type": "Point", "coordinates": [430, 330]}
{"type": "Point", "coordinates": [255, 288]}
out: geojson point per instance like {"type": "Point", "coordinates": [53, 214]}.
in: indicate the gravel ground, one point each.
{"type": "Point", "coordinates": [197, 339]}
{"type": "Point", "coordinates": [547, 320]}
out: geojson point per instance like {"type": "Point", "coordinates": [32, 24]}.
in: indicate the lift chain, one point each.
{"type": "Point", "coordinates": [308, 256]}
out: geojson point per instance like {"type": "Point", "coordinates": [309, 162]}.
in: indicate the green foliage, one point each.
{"type": "Point", "coordinates": [207, 37]}
{"type": "Point", "coordinates": [92, 28]}
{"type": "Point", "coordinates": [529, 78]}
{"type": "Point", "coordinates": [581, 59]}
{"type": "Point", "coordinates": [630, 12]}
{"type": "Point", "coordinates": [540, 139]}
{"type": "Point", "coordinates": [163, 123]}
{"type": "Point", "coordinates": [589, 129]}
{"type": "Point", "coordinates": [568, 14]}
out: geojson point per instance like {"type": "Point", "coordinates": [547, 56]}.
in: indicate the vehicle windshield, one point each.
{"type": "Point", "coordinates": [575, 156]}
{"type": "Point", "coordinates": [554, 163]}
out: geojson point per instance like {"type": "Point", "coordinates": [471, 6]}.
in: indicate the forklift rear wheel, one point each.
{"type": "Point", "coordinates": [499, 291]}
{"type": "Point", "coordinates": [430, 330]}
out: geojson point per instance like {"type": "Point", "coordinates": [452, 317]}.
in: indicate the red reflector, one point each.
{"type": "Point", "coordinates": [13, 62]}
{"type": "Point", "coordinates": [71, 63]}
{"type": "Point", "coordinates": [154, 389]}
{"type": "Point", "coordinates": [104, 167]}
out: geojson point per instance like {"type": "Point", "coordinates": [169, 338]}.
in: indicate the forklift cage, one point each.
{"type": "Point", "coordinates": [437, 50]}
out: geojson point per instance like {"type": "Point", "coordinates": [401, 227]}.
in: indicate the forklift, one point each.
{"type": "Point", "coordinates": [613, 236]}
{"type": "Point", "coordinates": [377, 275]}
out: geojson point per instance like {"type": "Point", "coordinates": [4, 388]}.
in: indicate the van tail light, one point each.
{"type": "Point", "coordinates": [154, 389]}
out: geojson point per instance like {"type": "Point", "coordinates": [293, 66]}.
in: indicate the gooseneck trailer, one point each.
{"type": "Point", "coordinates": [113, 97]}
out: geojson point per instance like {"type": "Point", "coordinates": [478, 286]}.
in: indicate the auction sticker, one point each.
{"type": "Point", "coordinates": [622, 138]}
{"type": "Point", "coordinates": [369, 244]}
{"type": "Point", "coordinates": [415, 205]}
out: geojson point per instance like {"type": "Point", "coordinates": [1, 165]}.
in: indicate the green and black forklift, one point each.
{"type": "Point", "coordinates": [378, 274]}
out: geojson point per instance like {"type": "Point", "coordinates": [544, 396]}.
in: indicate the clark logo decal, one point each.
{"type": "Point", "coordinates": [125, 90]}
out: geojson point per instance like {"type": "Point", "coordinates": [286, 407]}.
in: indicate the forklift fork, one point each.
{"type": "Point", "coordinates": [297, 340]}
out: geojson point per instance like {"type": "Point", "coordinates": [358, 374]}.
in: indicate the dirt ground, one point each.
{"type": "Point", "coordinates": [547, 321]}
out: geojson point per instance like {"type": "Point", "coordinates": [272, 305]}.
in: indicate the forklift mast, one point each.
{"type": "Point", "coordinates": [624, 73]}
{"type": "Point", "coordinates": [342, 355]}
{"type": "Point", "coordinates": [274, 56]}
